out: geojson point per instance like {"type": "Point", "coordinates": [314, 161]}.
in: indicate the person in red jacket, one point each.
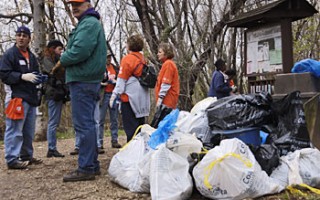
{"type": "Point", "coordinates": [168, 85]}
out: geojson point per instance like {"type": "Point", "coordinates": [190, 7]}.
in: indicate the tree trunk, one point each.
{"type": "Point", "coordinates": [39, 45]}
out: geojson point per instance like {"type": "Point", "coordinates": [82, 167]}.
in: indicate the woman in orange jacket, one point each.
{"type": "Point", "coordinates": [168, 85]}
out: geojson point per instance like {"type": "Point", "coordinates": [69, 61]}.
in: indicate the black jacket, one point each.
{"type": "Point", "coordinates": [12, 66]}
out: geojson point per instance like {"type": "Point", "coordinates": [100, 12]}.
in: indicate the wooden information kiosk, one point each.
{"type": "Point", "coordinates": [268, 40]}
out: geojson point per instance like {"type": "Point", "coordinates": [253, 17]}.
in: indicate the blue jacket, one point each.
{"type": "Point", "coordinates": [86, 54]}
{"type": "Point", "coordinates": [12, 66]}
{"type": "Point", "coordinates": [219, 87]}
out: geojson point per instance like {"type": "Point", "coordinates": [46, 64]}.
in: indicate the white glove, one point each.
{"type": "Point", "coordinates": [112, 99]}
{"type": "Point", "coordinates": [29, 77]}
{"type": "Point", "coordinates": [159, 102]}
{"type": "Point", "coordinates": [103, 84]}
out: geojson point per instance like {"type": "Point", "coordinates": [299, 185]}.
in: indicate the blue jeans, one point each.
{"type": "Point", "coordinates": [96, 119]}
{"type": "Point", "coordinates": [19, 135]}
{"type": "Point", "coordinates": [113, 113]}
{"type": "Point", "coordinates": [84, 98]}
{"type": "Point", "coordinates": [54, 114]}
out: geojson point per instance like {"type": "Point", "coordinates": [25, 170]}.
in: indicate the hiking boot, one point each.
{"type": "Point", "coordinates": [19, 165]}
{"type": "Point", "coordinates": [74, 152]}
{"type": "Point", "coordinates": [100, 150]}
{"type": "Point", "coordinates": [78, 176]}
{"type": "Point", "coordinates": [115, 144]}
{"type": "Point", "coordinates": [54, 153]}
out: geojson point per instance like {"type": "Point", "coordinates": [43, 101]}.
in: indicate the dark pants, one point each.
{"type": "Point", "coordinates": [130, 122]}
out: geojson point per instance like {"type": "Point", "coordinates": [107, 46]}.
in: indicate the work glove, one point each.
{"type": "Point", "coordinates": [159, 102]}
{"type": "Point", "coordinates": [31, 77]}
{"type": "Point", "coordinates": [113, 100]}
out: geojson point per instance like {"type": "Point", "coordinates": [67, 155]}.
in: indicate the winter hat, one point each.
{"type": "Point", "coordinates": [55, 43]}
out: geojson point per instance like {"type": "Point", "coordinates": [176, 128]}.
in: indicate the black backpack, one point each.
{"type": "Point", "coordinates": [148, 77]}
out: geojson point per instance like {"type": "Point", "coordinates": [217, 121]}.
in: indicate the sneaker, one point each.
{"type": "Point", "coordinates": [100, 150]}
{"type": "Point", "coordinates": [74, 152]}
{"type": "Point", "coordinates": [19, 165]}
{"type": "Point", "coordinates": [54, 153]}
{"type": "Point", "coordinates": [115, 144]}
{"type": "Point", "coordinates": [32, 161]}
{"type": "Point", "coordinates": [35, 161]}
{"type": "Point", "coordinates": [78, 176]}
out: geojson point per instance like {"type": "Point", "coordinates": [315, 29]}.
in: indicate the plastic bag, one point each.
{"type": "Point", "coordinates": [197, 121]}
{"type": "Point", "coordinates": [307, 65]}
{"type": "Point", "coordinates": [124, 165]}
{"type": "Point", "coordinates": [291, 127]}
{"type": "Point", "coordinates": [268, 157]}
{"type": "Point", "coordinates": [169, 176]}
{"type": "Point", "coordinates": [183, 144]}
{"type": "Point", "coordinates": [301, 166]}
{"type": "Point", "coordinates": [230, 171]}
{"type": "Point", "coordinates": [240, 111]}
{"type": "Point", "coordinates": [165, 126]}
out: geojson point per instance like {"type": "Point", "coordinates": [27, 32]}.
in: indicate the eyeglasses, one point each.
{"type": "Point", "coordinates": [22, 35]}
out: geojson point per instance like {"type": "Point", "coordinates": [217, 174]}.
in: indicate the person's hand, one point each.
{"type": "Point", "coordinates": [56, 68]}
{"type": "Point", "coordinates": [103, 83]}
{"type": "Point", "coordinates": [30, 77]}
{"type": "Point", "coordinates": [112, 100]}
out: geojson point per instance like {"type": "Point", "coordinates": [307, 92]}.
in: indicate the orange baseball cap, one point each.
{"type": "Point", "coordinates": [78, 1]}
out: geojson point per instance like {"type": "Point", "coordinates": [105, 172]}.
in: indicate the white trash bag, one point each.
{"type": "Point", "coordinates": [124, 168]}
{"type": "Point", "coordinates": [230, 171]}
{"type": "Point", "coordinates": [183, 144]}
{"type": "Point", "coordinates": [301, 166]}
{"type": "Point", "coordinates": [169, 176]}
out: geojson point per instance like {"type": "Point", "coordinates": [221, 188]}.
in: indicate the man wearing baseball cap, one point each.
{"type": "Point", "coordinates": [84, 62]}
{"type": "Point", "coordinates": [18, 70]}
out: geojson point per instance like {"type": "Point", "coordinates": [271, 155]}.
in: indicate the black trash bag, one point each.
{"type": "Point", "coordinates": [161, 112]}
{"type": "Point", "coordinates": [267, 156]}
{"type": "Point", "coordinates": [292, 132]}
{"type": "Point", "coordinates": [240, 111]}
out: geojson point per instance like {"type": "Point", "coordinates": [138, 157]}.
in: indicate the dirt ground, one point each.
{"type": "Point", "coordinates": [45, 181]}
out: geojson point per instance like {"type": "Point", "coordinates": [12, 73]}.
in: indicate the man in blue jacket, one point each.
{"type": "Point", "coordinates": [219, 86]}
{"type": "Point", "coordinates": [84, 61]}
{"type": "Point", "coordinates": [19, 71]}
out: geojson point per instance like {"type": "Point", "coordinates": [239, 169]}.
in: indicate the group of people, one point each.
{"type": "Point", "coordinates": [78, 74]}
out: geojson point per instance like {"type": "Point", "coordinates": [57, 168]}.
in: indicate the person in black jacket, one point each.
{"type": "Point", "coordinates": [56, 94]}
{"type": "Point", "coordinates": [19, 70]}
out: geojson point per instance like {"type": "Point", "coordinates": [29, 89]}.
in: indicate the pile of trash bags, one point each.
{"type": "Point", "coordinates": [183, 155]}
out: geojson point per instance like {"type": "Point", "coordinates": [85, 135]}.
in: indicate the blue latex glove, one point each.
{"type": "Point", "coordinates": [40, 78]}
